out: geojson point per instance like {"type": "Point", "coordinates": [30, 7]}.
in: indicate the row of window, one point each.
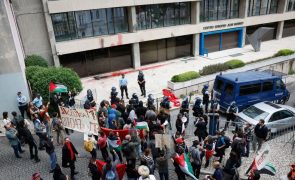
{"type": "Point", "coordinates": [163, 15]}
{"type": "Point", "coordinates": [291, 5]}
{"type": "Point", "coordinates": [262, 7]}
{"type": "Point", "coordinates": [212, 10]}
{"type": "Point", "coordinates": [80, 24]}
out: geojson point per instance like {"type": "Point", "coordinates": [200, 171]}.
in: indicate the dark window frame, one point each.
{"type": "Point", "coordinates": [248, 89]}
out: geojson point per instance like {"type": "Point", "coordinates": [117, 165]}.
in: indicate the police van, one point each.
{"type": "Point", "coordinates": [248, 88]}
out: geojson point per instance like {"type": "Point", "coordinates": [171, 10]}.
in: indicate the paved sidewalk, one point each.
{"type": "Point", "coordinates": [157, 75]}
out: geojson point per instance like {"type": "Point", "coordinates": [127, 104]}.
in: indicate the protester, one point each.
{"type": "Point", "coordinates": [179, 125]}
{"type": "Point", "coordinates": [180, 174]}
{"type": "Point", "coordinates": [48, 144]}
{"type": "Point", "coordinates": [220, 146]}
{"type": "Point", "coordinates": [195, 158]}
{"type": "Point", "coordinates": [260, 132]}
{"type": "Point", "coordinates": [238, 144]}
{"type": "Point", "coordinates": [218, 174]}
{"type": "Point", "coordinates": [141, 83]}
{"type": "Point", "coordinates": [32, 110]}
{"type": "Point", "coordinates": [6, 120]}
{"type": "Point", "coordinates": [71, 99]}
{"type": "Point", "coordinates": [36, 176]}
{"type": "Point", "coordinates": [38, 101]}
{"type": "Point", "coordinates": [131, 171]}
{"type": "Point", "coordinates": [147, 160]}
{"type": "Point", "coordinates": [102, 144]}
{"type": "Point", "coordinates": [231, 165]}
{"type": "Point", "coordinates": [162, 165]}
{"type": "Point", "coordinates": [123, 86]}
{"type": "Point", "coordinates": [248, 138]}
{"type": "Point", "coordinates": [58, 175]}
{"type": "Point", "coordinates": [129, 149]}
{"type": "Point", "coordinates": [40, 131]}
{"type": "Point", "coordinates": [28, 138]}
{"type": "Point", "coordinates": [16, 119]}
{"type": "Point", "coordinates": [13, 140]}
{"type": "Point", "coordinates": [69, 156]}
{"type": "Point", "coordinates": [208, 149]}
{"type": "Point", "coordinates": [144, 173]}
{"type": "Point", "coordinates": [58, 127]}
{"type": "Point", "coordinates": [22, 104]}
{"type": "Point", "coordinates": [109, 169]}
{"type": "Point", "coordinates": [93, 169]}
{"type": "Point", "coordinates": [90, 145]}
{"type": "Point", "coordinates": [201, 129]}
{"type": "Point", "coordinates": [114, 143]}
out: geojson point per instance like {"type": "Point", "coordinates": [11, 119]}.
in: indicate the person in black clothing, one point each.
{"type": "Point", "coordinates": [28, 138]}
{"type": "Point", "coordinates": [134, 100]}
{"type": "Point", "coordinates": [48, 144]}
{"type": "Point", "coordinates": [180, 174]}
{"type": "Point", "coordinates": [165, 103]}
{"type": "Point", "coordinates": [238, 144]}
{"type": "Point", "coordinates": [178, 123]}
{"type": "Point", "coordinates": [69, 156]}
{"type": "Point", "coordinates": [141, 83]}
{"type": "Point", "coordinates": [260, 132]}
{"type": "Point", "coordinates": [206, 97]}
{"type": "Point", "coordinates": [58, 175]}
{"type": "Point", "coordinates": [71, 99]}
{"type": "Point", "coordinates": [132, 173]}
{"type": "Point", "coordinates": [201, 129]}
{"type": "Point", "coordinates": [95, 174]}
{"type": "Point", "coordinates": [231, 165]}
{"type": "Point", "coordinates": [231, 114]}
{"type": "Point", "coordinates": [150, 102]}
{"type": "Point", "coordinates": [114, 95]}
{"type": "Point", "coordinates": [198, 108]}
{"type": "Point", "coordinates": [185, 105]}
{"type": "Point", "coordinates": [140, 111]}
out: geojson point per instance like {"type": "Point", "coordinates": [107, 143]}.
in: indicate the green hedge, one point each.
{"type": "Point", "coordinates": [235, 63]}
{"type": "Point", "coordinates": [35, 60]}
{"type": "Point", "coordinates": [284, 52]}
{"type": "Point", "coordinates": [185, 76]}
{"type": "Point", "coordinates": [214, 68]}
{"type": "Point", "coordinates": [40, 77]}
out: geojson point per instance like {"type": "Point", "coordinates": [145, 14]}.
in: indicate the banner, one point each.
{"type": "Point", "coordinates": [162, 140]}
{"type": "Point", "coordinates": [81, 120]}
{"type": "Point", "coordinates": [262, 158]}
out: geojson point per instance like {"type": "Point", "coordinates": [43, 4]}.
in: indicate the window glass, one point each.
{"type": "Point", "coordinates": [184, 13]}
{"type": "Point", "coordinates": [84, 24]}
{"type": "Point", "coordinates": [218, 85]}
{"type": "Point", "coordinates": [222, 9]}
{"type": "Point", "coordinates": [257, 7]}
{"type": "Point", "coordinates": [280, 84]}
{"type": "Point", "coordinates": [212, 10]}
{"type": "Point", "coordinates": [110, 20]}
{"type": "Point", "coordinates": [273, 6]}
{"type": "Point", "coordinates": [121, 20]}
{"type": "Point", "coordinates": [169, 16]}
{"type": "Point", "coordinates": [157, 15]}
{"type": "Point", "coordinates": [229, 88]}
{"type": "Point", "coordinates": [176, 14]}
{"type": "Point", "coordinates": [148, 17]}
{"type": "Point", "coordinates": [286, 114]}
{"type": "Point", "coordinates": [255, 113]}
{"type": "Point", "coordinates": [275, 117]}
{"type": "Point", "coordinates": [267, 86]}
{"type": "Point", "coordinates": [263, 7]}
{"type": "Point", "coordinates": [234, 10]}
{"type": "Point", "coordinates": [60, 26]}
{"type": "Point", "coordinates": [140, 17]}
{"type": "Point", "coordinates": [99, 20]}
{"type": "Point", "coordinates": [250, 89]}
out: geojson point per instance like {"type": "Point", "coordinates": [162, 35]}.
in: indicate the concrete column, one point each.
{"type": "Point", "coordinates": [196, 45]}
{"type": "Point", "coordinates": [243, 9]}
{"type": "Point", "coordinates": [244, 36]}
{"type": "Point", "coordinates": [280, 29]}
{"type": "Point", "coordinates": [136, 55]}
{"type": "Point", "coordinates": [51, 36]}
{"type": "Point", "coordinates": [132, 18]}
{"type": "Point", "coordinates": [194, 12]}
{"type": "Point", "coordinates": [198, 11]}
{"type": "Point", "coordinates": [282, 6]}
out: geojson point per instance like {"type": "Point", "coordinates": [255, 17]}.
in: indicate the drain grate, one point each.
{"type": "Point", "coordinates": [236, 55]}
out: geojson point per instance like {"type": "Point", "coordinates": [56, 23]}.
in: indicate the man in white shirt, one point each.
{"type": "Point", "coordinates": [123, 86]}
{"type": "Point", "coordinates": [38, 101]}
{"type": "Point", "coordinates": [22, 103]}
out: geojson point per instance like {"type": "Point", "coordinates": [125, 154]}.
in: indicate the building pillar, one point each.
{"type": "Point", "coordinates": [196, 45]}
{"type": "Point", "coordinates": [52, 41]}
{"type": "Point", "coordinates": [282, 6]}
{"type": "Point", "coordinates": [280, 29]}
{"type": "Point", "coordinates": [243, 9]}
{"type": "Point", "coordinates": [193, 12]}
{"type": "Point", "coordinates": [136, 55]}
{"type": "Point", "coordinates": [244, 36]}
{"type": "Point", "coordinates": [132, 19]}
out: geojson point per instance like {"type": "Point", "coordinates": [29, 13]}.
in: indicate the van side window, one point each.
{"type": "Point", "coordinates": [267, 86]}
{"type": "Point", "coordinates": [279, 84]}
{"type": "Point", "coordinates": [250, 89]}
{"type": "Point", "coordinates": [218, 85]}
{"type": "Point", "coordinates": [229, 89]}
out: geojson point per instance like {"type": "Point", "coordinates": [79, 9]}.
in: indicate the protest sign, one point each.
{"type": "Point", "coordinates": [162, 140]}
{"type": "Point", "coordinates": [81, 120]}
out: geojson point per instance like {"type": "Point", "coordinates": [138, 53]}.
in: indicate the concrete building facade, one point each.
{"type": "Point", "coordinates": [95, 37]}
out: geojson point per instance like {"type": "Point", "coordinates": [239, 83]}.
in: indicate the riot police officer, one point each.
{"type": "Point", "coordinates": [231, 113]}
{"type": "Point", "coordinates": [198, 108]}
{"type": "Point", "coordinates": [114, 94]}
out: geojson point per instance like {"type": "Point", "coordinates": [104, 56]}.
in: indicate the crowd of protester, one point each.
{"type": "Point", "coordinates": [137, 149]}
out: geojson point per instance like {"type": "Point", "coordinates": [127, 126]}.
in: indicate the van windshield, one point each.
{"type": "Point", "coordinates": [255, 113]}
{"type": "Point", "coordinates": [218, 85]}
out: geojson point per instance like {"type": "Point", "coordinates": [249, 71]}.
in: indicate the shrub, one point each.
{"type": "Point", "coordinates": [214, 68]}
{"type": "Point", "coordinates": [35, 60]}
{"type": "Point", "coordinates": [40, 77]}
{"type": "Point", "coordinates": [284, 52]}
{"type": "Point", "coordinates": [235, 63]}
{"type": "Point", "coordinates": [185, 76]}
{"type": "Point", "coordinates": [291, 72]}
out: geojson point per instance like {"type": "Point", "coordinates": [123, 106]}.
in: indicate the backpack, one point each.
{"type": "Point", "coordinates": [226, 141]}
{"type": "Point", "coordinates": [126, 149]}
{"type": "Point", "coordinates": [239, 148]}
{"type": "Point", "coordinates": [88, 146]}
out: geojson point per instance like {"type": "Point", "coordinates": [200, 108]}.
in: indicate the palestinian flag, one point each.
{"type": "Point", "coordinates": [142, 125]}
{"type": "Point", "coordinates": [122, 132]}
{"type": "Point", "coordinates": [114, 144]}
{"type": "Point", "coordinates": [120, 168]}
{"type": "Point", "coordinates": [57, 88]}
{"type": "Point", "coordinates": [268, 169]}
{"type": "Point", "coordinates": [185, 165]}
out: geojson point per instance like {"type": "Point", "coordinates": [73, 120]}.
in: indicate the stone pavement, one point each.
{"type": "Point", "coordinates": [157, 75]}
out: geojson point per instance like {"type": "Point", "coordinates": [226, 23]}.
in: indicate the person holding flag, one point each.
{"type": "Point", "coordinates": [182, 166]}
{"type": "Point", "coordinates": [114, 143]}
